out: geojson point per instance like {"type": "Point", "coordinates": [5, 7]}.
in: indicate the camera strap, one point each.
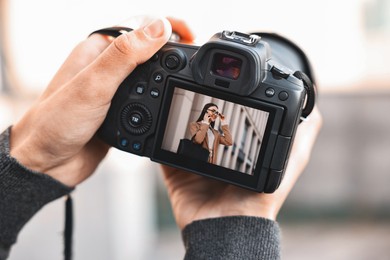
{"type": "Point", "coordinates": [292, 56]}
{"type": "Point", "coordinates": [68, 228]}
{"type": "Point", "coordinates": [112, 31]}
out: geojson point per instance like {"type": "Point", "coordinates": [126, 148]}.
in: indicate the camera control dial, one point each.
{"type": "Point", "coordinates": [136, 118]}
{"type": "Point", "coordinates": [174, 60]}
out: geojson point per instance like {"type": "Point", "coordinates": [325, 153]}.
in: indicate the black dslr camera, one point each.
{"type": "Point", "coordinates": [225, 110]}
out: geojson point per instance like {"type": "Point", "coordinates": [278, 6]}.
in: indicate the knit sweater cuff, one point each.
{"type": "Point", "coordinates": [22, 193]}
{"type": "Point", "coordinates": [237, 237]}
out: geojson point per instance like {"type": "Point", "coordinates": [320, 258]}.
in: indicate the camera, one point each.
{"type": "Point", "coordinates": [226, 110]}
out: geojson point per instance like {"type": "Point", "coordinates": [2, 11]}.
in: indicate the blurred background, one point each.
{"type": "Point", "coordinates": [339, 209]}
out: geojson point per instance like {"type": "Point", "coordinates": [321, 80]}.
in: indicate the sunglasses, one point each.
{"type": "Point", "coordinates": [215, 112]}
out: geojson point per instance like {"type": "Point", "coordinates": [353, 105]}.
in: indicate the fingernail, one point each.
{"type": "Point", "coordinates": [155, 29]}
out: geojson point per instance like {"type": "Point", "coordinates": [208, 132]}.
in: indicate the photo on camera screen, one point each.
{"type": "Point", "coordinates": [220, 132]}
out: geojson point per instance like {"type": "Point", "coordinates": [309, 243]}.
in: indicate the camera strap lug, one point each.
{"type": "Point", "coordinates": [311, 94]}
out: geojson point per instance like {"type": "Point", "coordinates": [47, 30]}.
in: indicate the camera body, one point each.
{"type": "Point", "coordinates": [261, 102]}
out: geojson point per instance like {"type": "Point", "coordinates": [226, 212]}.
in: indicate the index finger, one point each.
{"type": "Point", "coordinates": [182, 29]}
{"type": "Point", "coordinates": [80, 57]}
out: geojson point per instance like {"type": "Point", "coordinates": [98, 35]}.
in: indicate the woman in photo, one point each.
{"type": "Point", "coordinates": [203, 132]}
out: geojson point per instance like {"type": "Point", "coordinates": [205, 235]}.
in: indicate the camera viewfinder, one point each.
{"type": "Point", "coordinates": [226, 66]}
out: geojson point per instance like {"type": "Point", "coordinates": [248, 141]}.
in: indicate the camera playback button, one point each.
{"type": "Point", "coordinates": [140, 88]}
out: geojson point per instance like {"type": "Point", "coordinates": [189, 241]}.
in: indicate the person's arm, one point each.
{"type": "Point", "coordinates": [226, 137]}
{"type": "Point", "coordinates": [235, 237]}
{"type": "Point", "coordinates": [22, 193]}
{"type": "Point", "coordinates": [57, 135]}
{"type": "Point", "coordinates": [198, 133]}
{"type": "Point", "coordinates": [53, 147]}
{"type": "Point", "coordinates": [225, 215]}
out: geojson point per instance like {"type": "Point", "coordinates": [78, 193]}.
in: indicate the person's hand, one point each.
{"type": "Point", "coordinates": [222, 117]}
{"type": "Point", "coordinates": [57, 135]}
{"type": "Point", "coordinates": [194, 197]}
{"type": "Point", "coordinates": [207, 118]}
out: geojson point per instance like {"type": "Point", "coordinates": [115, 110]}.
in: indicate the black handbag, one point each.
{"type": "Point", "coordinates": [190, 149]}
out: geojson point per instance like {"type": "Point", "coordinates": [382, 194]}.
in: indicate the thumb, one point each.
{"type": "Point", "coordinates": [99, 81]}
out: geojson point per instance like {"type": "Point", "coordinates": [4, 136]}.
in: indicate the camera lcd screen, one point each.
{"type": "Point", "coordinates": [226, 66]}
{"type": "Point", "coordinates": [231, 134]}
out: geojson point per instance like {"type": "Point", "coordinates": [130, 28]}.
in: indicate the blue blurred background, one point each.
{"type": "Point", "coordinates": [340, 207]}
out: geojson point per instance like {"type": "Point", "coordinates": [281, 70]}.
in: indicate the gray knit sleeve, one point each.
{"type": "Point", "coordinates": [22, 193]}
{"type": "Point", "coordinates": [229, 238]}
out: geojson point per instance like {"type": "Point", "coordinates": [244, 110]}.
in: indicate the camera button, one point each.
{"type": "Point", "coordinates": [270, 92]}
{"type": "Point", "coordinates": [124, 142]}
{"type": "Point", "coordinates": [158, 77]}
{"type": "Point", "coordinates": [135, 119]}
{"type": "Point", "coordinates": [172, 62]}
{"type": "Point", "coordinates": [280, 72]}
{"type": "Point", "coordinates": [155, 57]}
{"type": "Point", "coordinates": [283, 96]}
{"type": "Point", "coordinates": [137, 146]}
{"type": "Point", "coordinates": [140, 89]}
{"type": "Point", "coordinates": [155, 93]}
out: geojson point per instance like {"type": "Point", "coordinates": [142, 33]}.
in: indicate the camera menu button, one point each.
{"type": "Point", "coordinates": [155, 93]}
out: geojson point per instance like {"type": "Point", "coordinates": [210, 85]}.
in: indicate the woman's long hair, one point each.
{"type": "Point", "coordinates": [204, 111]}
